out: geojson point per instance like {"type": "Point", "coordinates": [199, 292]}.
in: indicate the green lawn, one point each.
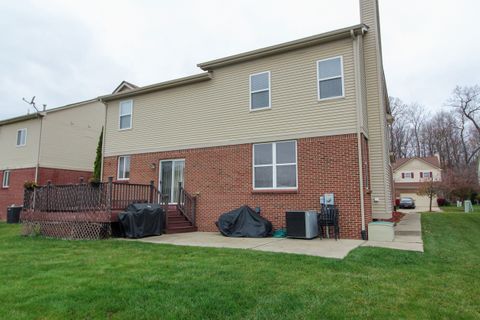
{"type": "Point", "coordinates": [54, 279]}
{"type": "Point", "coordinates": [453, 208]}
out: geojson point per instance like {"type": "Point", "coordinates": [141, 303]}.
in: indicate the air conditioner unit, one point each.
{"type": "Point", "coordinates": [301, 224]}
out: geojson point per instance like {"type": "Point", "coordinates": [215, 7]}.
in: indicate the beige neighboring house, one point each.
{"type": "Point", "coordinates": [409, 173]}
{"type": "Point", "coordinates": [56, 145]}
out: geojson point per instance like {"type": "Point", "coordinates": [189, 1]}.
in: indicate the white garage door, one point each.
{"type": "Point", "coordinates": [420, 201]}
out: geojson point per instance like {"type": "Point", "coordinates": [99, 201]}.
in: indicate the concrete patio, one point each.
{"type": "Point", "coordinates": [328, 248]}
{"type": "Point", "coordinates": [408, 235]}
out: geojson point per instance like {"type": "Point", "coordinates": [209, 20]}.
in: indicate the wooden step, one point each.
{"type": "Point", "coordinates": [178, 223]}
{"type": "Point", "coordinates": [182, 229]}
{"type": "Point", "coordinates": [176, 218]}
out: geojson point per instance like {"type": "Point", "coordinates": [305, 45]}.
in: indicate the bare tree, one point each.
{"type": "Point", "coordinates": [459, 183]}
{"type": "Point", "coordinates": [399, 129]}
{"type": "Point", "coordinates": [467, 101]}
{"type": "Point", "coordinates": [416, 118]}
{"type": "Point", "coordinates": [454, 136]}
{"type": "Point", "coordinates": [429, 188]}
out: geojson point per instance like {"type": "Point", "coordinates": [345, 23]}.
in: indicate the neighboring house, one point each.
{"type": "Point", "coordinates": [410, 173]}
{"type": "Point", "coordinates": [56, 145]}
{"type": "Point", "coordinates": [273, 128]}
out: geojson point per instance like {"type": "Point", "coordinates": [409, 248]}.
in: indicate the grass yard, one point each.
{"type": "Point", "coordinates": [453, 208]}
{"type": "Point", "coordinates": [54, 279]}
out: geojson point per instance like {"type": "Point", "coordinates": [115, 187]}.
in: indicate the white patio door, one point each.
{"type": "Point", "coordinates": [171, 173]}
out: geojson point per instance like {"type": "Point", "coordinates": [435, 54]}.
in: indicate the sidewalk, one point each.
{"type": "Point", "coordinates": [408, 235]}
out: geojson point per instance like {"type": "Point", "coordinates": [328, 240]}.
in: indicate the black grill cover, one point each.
{"type": "Point", "coordinates": [142, 220]}
{"type": "Point", "coordinates": [244, 222]}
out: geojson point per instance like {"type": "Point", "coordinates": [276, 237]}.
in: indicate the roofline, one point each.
{"type": "Point", "coordinates": [43, 113]}
{"type": "Point", "coordinates": [158, 86]}
{"type": "Point", "coordinates": [20, 118]}
{"type": "Point", "coordinates": [284, 47]}
{"type": "Point", "coordinates": [416, 158]}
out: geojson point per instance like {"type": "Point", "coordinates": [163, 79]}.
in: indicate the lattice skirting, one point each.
{"type": "Point", "coordinates": [68, 230]}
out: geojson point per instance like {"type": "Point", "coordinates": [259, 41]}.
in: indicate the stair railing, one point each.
{"type": "Point", "coordinates": [186, 204]}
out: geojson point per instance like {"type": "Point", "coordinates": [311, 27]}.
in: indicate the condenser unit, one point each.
{"type": "Point", "coordinates": [301, 224]}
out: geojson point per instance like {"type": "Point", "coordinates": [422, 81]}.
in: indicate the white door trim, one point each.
{"type": "Point", "coordinates": [170, 200]}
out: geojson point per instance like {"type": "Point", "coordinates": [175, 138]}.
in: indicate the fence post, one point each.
{"type": "Point", "coordinates": [80, 201]}
{"type": "Point", "coordinates": [49, 184]}
{"type": "Point", "coordinates": [109, 194]}
{"type": "Point", "coordinates": [179, 203]}
{"type": "Point", "coordinates": [164, 200]}
{"type": "Point", "coordinates": [152, 189]}
{"type": "Point", "coordinates": [194, 206]}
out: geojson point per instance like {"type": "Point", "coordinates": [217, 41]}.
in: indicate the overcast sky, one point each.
{"type": "Point", "coordinates": [68, 51]}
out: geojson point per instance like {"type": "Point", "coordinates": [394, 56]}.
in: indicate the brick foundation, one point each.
{"type": "Point", "coordinates": [222, 177]}
{"type": "Point", "coordinates": [14, 193]}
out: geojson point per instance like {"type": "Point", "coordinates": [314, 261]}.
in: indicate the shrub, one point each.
{"type": "Point", "coordinates": [442, 202]}
{"type": "Point", "coordinates": [30, 185]}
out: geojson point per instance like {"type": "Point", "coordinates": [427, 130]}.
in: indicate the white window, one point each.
{"type": "Point", "coordinates": [123, 168]}
{"type": "Point", "coordinates": [260, 91]}
{"type": "Point", "coordinates": [330, 78]}
{"type": "Point", "coordinates": [407, 175]}
{"type": "Point", "coordinates": [126, 108]}
{"type": "Point", "coordinates": [6, 179]}
{"type": "Point", "coordinates": [426, 174]}
{"type": "Point", "coordinates": [275, 165]}
{"type": "Point", "coordinates": [21, 137]}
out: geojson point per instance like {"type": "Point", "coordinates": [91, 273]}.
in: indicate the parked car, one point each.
{"type": "Point", "coordinates": [407, 203]}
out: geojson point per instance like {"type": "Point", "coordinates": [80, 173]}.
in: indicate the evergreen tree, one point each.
{"type": "Point", "coordinates": [98, 159]}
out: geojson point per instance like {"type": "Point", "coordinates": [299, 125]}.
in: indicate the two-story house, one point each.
{"type": "Point", "coordinates": [410, 173]}
{"type": "Point", "coordinates": [273, 128]}
{"type": "Point", "coordinates": [56, 145]}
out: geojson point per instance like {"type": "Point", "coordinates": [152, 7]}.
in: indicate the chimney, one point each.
{"type": "Point", "coordinates": [369, 15]}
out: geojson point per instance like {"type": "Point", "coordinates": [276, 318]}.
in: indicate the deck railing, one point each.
{"type": "Point", "coordinates": [89, 197]}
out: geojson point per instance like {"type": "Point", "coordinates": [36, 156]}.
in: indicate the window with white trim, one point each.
{"type": "Point", "coordinates": [275, 165]}
{"type": "Point", "coordinates": [426, 174]}
{"type": "Point", "coordinates": [407, 175]}
{"type": "Point", "coordinates": [330, 78]}
{"type": "Point", "coordinates": [125, 120]}
{"type": "Point", "coordinates": [123, 168]}
{"type": "Point", "coordinates": [260, 91]}
{"type": "Point", "coordinates": [6, 179]}
{"type": "Point", "coordinates": [21, 137]}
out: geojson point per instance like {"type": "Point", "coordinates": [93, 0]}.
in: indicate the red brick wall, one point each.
{"type": "Point", "coordinates": [14, 193]}
{"type": "Point", "coordinates": [223, 178]}
{"type": "Point", "coordinates": [62, 176]}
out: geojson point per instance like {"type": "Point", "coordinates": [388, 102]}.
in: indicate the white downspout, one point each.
{"type": "Point", "coordinates": [359, 104]}
{"type": "Point", "coordinates": [37, 166]}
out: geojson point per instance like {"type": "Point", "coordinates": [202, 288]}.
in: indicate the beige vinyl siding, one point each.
{"type": "Point", "coordinates": [216, 112]}
{"type": "Point", "coordinates": [363, 88]}
{"type": "Point", "coordinates": [70, 137]}
{"type": "Point", "coordinates": [380, 170]}
{"type": "Point", "coordinates": [13, 157]}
